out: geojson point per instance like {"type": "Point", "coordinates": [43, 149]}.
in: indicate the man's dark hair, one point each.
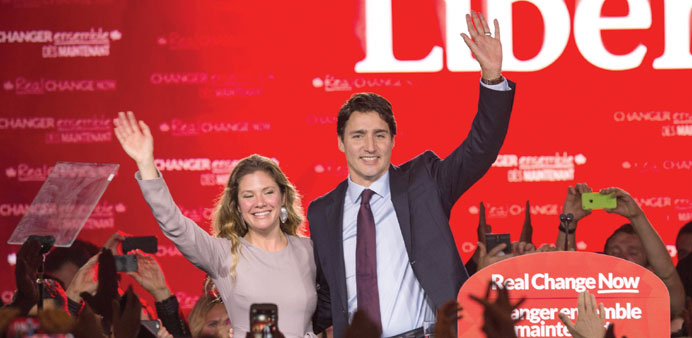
{"type": "Point", "coordinates": [365, 102]}
{"type": "Point", "coordinates": [686, 229]}
{"type": "Point", "coordinates": [78, 254]}
{"type": "Point", "coordinates": [626, 228]}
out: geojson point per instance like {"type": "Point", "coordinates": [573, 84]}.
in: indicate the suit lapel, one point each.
{"type": "Point", "coordinates": [398, 185]}
{"type": "Point", "coordinates": [335, 235]}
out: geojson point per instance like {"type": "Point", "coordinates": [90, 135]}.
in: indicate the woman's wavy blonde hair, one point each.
{"type": "Point", "coordinates": [197, 317]}
{"type": "Point", "coordinates": [228, 222]}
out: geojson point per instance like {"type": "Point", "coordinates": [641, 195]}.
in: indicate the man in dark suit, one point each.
{"type": "Point", "coordinates": [382, 238]}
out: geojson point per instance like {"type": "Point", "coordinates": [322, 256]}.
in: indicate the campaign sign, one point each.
{"type": "Point", "coordinates": [635, 299]}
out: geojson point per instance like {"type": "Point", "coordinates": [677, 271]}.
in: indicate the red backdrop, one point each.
{"type": "Point", "coordinates": [218, 80]}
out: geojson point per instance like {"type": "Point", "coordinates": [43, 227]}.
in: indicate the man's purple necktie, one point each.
{"type": "Point", "coordinates": [366, 261]}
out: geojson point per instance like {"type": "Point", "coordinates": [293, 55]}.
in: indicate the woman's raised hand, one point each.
{"type": "Point", "coordinates": [135, 138]}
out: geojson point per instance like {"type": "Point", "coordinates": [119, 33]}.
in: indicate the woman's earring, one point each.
{"type": "Point", "coordinates": [284, 215]}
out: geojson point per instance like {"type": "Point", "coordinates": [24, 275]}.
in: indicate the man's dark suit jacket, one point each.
{"type": "Point", "coordinates": [423, 191]}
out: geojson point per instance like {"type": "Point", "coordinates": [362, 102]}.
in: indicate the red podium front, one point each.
{"type": "Point", "coordinates": [635, 299]}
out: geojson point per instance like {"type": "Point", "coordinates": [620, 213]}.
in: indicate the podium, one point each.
{"type": "Point", "coordinates": [64, 202]}
{"type": "Point", "coordinates": [635, 299]}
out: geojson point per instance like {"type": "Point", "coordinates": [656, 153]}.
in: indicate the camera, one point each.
{"type": "Point", "coordinates": [127, 263]}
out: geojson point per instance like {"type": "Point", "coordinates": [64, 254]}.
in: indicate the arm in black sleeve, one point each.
{"type": "Point", "coordinates": [168, 312]}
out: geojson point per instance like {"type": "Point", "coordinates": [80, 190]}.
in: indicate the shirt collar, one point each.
{"type": "Point", "coordinates": [380, 187]}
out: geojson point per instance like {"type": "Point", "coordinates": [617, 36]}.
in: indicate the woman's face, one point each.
{"type": "Point", "coordinates": [216, 323]}
{"type": "Point", "coordinates": [259, 201]}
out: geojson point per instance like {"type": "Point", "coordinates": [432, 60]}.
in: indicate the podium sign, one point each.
{"type": "Point", "coordinates": [635, 299]}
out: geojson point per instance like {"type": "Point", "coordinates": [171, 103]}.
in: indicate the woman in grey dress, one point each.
{"type": "Point", "coordinates": [254, 254]}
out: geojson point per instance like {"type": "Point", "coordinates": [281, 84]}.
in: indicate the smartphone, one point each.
{"type": "Point", "coordinates": [264, 319]}
{"type": "Point", "coordinates": [125, 263]}
{"type": "Point", "coordinates": [146, 243]}
{"type": "Point", "coordinates": [595, 200]}
{"type": "Point", "coordinates": [493, 240]}
{"type": "Point", "coordinates": [152, 326]}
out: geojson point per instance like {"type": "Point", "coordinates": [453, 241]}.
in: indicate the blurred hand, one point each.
{"type": "Point", "coordinates": [572, 203]}
{"type": "Point", "coordinates": [84, 280]}
{"type": "Point", "coordinates": [495, 255]}
{"type": "Point", "coordinates": [547, 248]}
{"type": "Point", "coordinates": [162, 333]}
{"type": "Point", "coordinates": [88, 324]}
{"type": "Point", "coordinates": [498, 322]}
{"type": "Point", "coordinates": [610, 332]}
{"type": "Point", "coordinates": [447, 317]}
{"type": "Point", "coordinates": [113, 242]}
{"type": "Point", "coordinates": [590, 323]}
{"type": "Point", "coordinates": [106, 291]}
{"type": "Point", "coordinates": [626, 205]}
{"type": "Point", "coordinates": [25, 273]}
{"type": "Point", "coordinates": [483, 227]}
{"type": "Point", "coordinates": [362, 327]}
{"type": "Point", "coordinates": [135, 137]}
{"type": "Point", "coordinates": [150, 276]}
{"type": "Point", "coordinates": [126, 317]}
{"type": "Point", "coordinates": [520, 248]}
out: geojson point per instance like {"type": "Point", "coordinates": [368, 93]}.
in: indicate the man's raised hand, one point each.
{"type": "Point", "coordinates": [485, 47]}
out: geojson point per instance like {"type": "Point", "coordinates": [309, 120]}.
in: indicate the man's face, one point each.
{"type": "Point", "coordinates": [367, 144]}
{"type": "Point", "coordinates": [627, 246]}
{"type": "Point", "coordinates": [684, 246]}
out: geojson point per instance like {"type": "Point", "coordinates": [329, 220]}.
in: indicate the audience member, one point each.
{"type": "Point", "coordinates": [637, 241]}
{"type": "Point", "coordinates": [150, 276]}
{"type": "Point", "coordinates": [209, 318]}
{"type": "Point", "coordinates": [62, 263]}
{"type": "Point", "coordinates": [84, 281]}
{"type": "Point", "coordinates": [683, 242]}
{"type": "Point", "coordinates": [482, 257]}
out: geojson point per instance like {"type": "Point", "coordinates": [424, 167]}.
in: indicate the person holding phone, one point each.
{"type": "Point", "coordinates": [636, 241]}
{"type": "Point", "coordinates": [254, 255]}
